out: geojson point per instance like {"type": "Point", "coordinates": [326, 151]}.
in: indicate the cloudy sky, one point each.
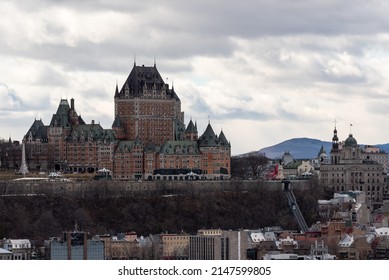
{"type": "Point", "coordinates": [262, 71]}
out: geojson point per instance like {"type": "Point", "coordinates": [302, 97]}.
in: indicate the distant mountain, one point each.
{"type": "Point", "coordinates": [304, 148]}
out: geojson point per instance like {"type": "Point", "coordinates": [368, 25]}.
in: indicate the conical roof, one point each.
{"type": "Point", "coordinates": [223, 139]}
{"type": "Point", "coordinates": [209, 138]}
{"type": "Point", "coordinates": [191, 128]}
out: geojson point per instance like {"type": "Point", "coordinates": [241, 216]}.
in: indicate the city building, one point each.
{"type": "Point", "coordinates": [148, 138]}
{"type": "Point", "coordinates": [350, 168]}
{"type": "Point", "coordinates": [75, 245]}
{"type": "Point", "coordinates": [347, 206]}
{"type": "Point", "coordinates": [305, 169]}
{"type": "Point", "coordinates": [216, 244]}
{"type": "Point", "coordinates": [20, 249]}
{"type": "Point", "coordinates": [5, 254]}
{"type": "Point", "coordinates": [175, 246]}
{"type": "Point", "coordinates": [121, 246]}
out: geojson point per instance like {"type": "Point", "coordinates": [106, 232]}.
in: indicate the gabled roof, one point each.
{"type": "Point", "coordinates": [37, 130]}
{"type": "Point", "coordinates": [64, 115]}
{"type": "Point", "coordinates": [61, 117]}
{"type": "Point", "coordinates": [346, 241]}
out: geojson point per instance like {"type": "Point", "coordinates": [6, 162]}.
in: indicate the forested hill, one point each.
{"type": "Point", "coordinates": [41, 217]}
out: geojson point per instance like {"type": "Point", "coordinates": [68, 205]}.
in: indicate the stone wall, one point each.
{"type": "Point", "coordinates": [90, 189]}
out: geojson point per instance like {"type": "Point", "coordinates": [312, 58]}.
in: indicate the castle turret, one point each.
{"type": "Point", "coordinates": [191, 132]}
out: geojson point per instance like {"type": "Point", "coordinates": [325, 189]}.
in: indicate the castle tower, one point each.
{"type": "Point", "coordinates": [149, 110]}
{"type": "Point", "coordinates": [191, 133]}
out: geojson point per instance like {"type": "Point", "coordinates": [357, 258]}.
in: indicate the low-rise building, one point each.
{"type": "Point", "coordinates": [175, 246]}
{"type": "Point", "coordinates": [20, 248]}
{"type": "Point", "coordinates": [5, 254]}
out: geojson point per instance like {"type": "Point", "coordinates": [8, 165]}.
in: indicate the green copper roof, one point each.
{"type": "Point", "coordinates": [180, 147]}
{"type": "Point", "coordinates": [223, 140]}
{"type": "Point", "coordinates": [209, 138]}
{"type": "Point", "coordinates": [350, 141]}
{"type": "Point", "coordinates": [191, 128]}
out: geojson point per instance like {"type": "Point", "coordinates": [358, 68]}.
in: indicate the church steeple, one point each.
{"type": "Point", "coordinates": [335, 152]}
{"type": "Point", "coordinates": [335, 140]}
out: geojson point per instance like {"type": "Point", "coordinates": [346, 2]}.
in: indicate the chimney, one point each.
{"type": "Point", "coordinates": [72, 103]}
{"type": "Point", "coordinates": [93, 122]}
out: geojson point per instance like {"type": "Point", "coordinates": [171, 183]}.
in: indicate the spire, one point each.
{"type": "Point", "coordinates": [191, 128]}
{"type": "Point", "coordinates": [335, 139]}
{"type": "Point", "coordinates": [117, 89]}
{"type": "Point", "coordinates": [222, 138]}
{"type": "Point", "coordinates": [155, 62]}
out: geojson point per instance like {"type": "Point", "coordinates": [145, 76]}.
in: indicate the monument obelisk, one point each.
{"type": "Point", "coordinates": [23, 167]}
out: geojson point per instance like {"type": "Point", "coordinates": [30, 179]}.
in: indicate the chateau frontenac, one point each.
{"type": "Point", "coordinates": [148, 139]}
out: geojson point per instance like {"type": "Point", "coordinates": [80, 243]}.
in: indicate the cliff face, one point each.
{"type": "Point", "coordinates": [188, 209]}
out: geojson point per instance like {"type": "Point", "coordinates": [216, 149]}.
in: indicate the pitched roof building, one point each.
{"type": "Point", "coordinates": [148, 136]}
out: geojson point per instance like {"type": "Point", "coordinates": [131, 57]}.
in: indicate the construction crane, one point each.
{"type": "Point", "coordinates": [287, 189]}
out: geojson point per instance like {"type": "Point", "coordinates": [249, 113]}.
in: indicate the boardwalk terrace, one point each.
{"type": "Point", "coordinates": [148, 135]}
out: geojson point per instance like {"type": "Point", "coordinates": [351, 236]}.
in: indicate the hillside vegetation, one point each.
{"type": "Point", "coordinates": [40, 217]}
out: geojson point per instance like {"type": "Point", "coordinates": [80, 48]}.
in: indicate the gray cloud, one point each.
{"type": "Point", "coordinates": [288, 61]}
{"type": "Point", "coordinates": [9, 100]}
